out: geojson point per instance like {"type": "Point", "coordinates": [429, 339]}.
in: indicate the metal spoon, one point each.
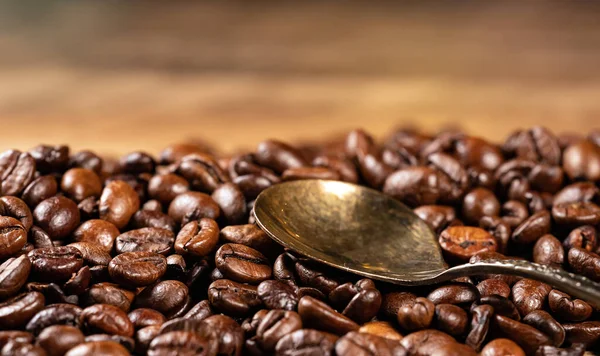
{"type": "Point", "coordinates": [363, 231]}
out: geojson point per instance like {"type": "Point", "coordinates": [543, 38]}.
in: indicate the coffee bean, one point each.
{"type": "Point", "coordinates": [548, 251]}
{"type": "Point", "coordinates": [414, 186]}
{"type": "Point", "coordinates": [17, 311]}
{"type": "Point", "coordinates": [143, 317]}
{"type": "Point", "coordinates": [536, 144]}
{"type": "Point", "coordinates": [277, 295]}
{"type": "Point", "coordinates": [381, 329]}
{"type": "Point", "coordinates": [493, 286]}
{"type": "Point", "coordinates": [182, 343]}
{"type": "Point", "coordinates": [393, 301]}
{"type": "Point", "coordinates": [283, 269]}
{"type": "Point", "coordinates": [567, 309]}
{"type": "Point", "coordinates": [298, 173]}
{"type": "Point", "coordinates": [55, 263]}
{"type": "Point", "coordinates": [318, 315]}
{"type": "Point", "coordinates": [97, 231]}
{"type": "Point", "coordinates": [313, 275]}
{"type": "Point", "coordinates": [137, 268]}
{"type": "Point", "coordinates": [78, 282]}
{"type": "Point", "coordinates": [147, 239]}
{"type": "Point", "coordinates": [202, 172]}
{"type": "Point", "coordinates": [55, 314]}
{"type": "Point", "coordinates": [586, 333]}
{"type": "Point", "coordinates": [118, 203]}
{"type": "Point", "coordinates": [530, 295]}
{"type": "Point", "coordinates": [574, 350]}
{"type": "Point", "coordinates": [581, 160]}
{"type": "Point", "coordinates": [278, 156]}
{"type": "Point", "coordinates": [144, 336]}
{"type": "Point", "coordinates": [200, 311]}
{"type": "Point", "coordinates": [360, 302]}
{"type": "Point", "coordinates": [306, 341]}
{"type": "Point", "coordinates": [232, 202]}
{"type": "Point", "coordinates": [438, 217]}
{"type": "Point", "coordinates": [425, 342]}
{"type": "Point", "coordinates": [478, 203]}
{"type": "Point", "coordinates": [233, 298]}
{"type": "Point", "coordinates": [545, 323]}
{"type": "Point", "coordinates": [13, 275]}
{"type": "Point", "coordinates": [249, 235]}
{"type": "Point", "coordinates": [165, 187]}
{"type": "Point", "coordinates": [125, 341]}
{"type": "Point", "coordinates": [81, 183]}
{"type": "Point", "coordinates": [355, 343]}
{"type": "Point", "coordinates": [136, 163]}
{"type": "Point", "coordinates": [167, 297]}
{"type": "Point", "coordinates": [86, 159]}
{"type": "Point", "coordinates": [58, 216]}
{"type": "Point", "coordinates": [229, 334]}
{"type": "Point", "coordinates": [191, 206]}
{"type": "Point", "coordinates": [454, 179]}
{"type": "Point", "coordinates": [532, 228]}
{"type": "Point", "coordinates": [514, 213]}
{"type": "Point", "coordinates": [584, 262]}
{"type": "Point", "coordinates": [584, 237]}
{"type": "Point", "coordinates": [93, 254]}
{"type": "Point", "coordinates": [98, 348]}
{"type": "Point", "coordinates": [109, 293]}
{"type": "Point", "coordinates": [106, 318]}
{"type": "Point", "coordinates": [197, 238]}
{"type": "Point", "coordinates": [242, 264]}
{"type": "Point", "coordinates": [40, 189]}
{"type": "Point", "coordinates": [21, 337]}
{"type": "Point", "coordinates": [343, 167]}
{"type": "Point", "coordinates": [153, 205]}
{"type": "Point", "coordinates": [17, 170]}
{"type": "Point", "coordinates": [88, 208]}
{"type": "Point", "coordinates": [12, 236]}
{"type": "Point", "coordinates": [480, 326]}
{"type": "Point", "coordinates": [451, 319]}
{"type": "Point", "coordinates": [529, 338]}
{"type": "Point", "coordinates": [58, 339]}
{"type": "Point", "coordinates": [20, 349]}
{"type": "Point", "coordinates": [461, 294]}
{"type": "Point", "coordinates": [462, 242]}
{"type": "Point", "coordinates": [417, 315]}
{"type": "Point", "coordinates": [501, 347]}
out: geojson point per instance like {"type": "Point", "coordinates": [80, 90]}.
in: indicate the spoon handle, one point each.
{"type": "Point", "coordinates": [575, 285]}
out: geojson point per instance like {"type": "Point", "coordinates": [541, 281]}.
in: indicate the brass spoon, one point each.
{"type": "Point", "coordinates": [363, 231]}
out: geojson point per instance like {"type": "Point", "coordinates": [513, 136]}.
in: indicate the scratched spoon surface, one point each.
{"type": "Point", "coordinates": [363, 231]}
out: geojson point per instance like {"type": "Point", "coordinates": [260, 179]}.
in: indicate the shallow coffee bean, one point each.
{"type": "Point", "coordinates": [277, 295]}
{"type": "Point", "coordinates": [86, 159]}
{"type": "Point", "coordinates": [58, 216]}
{"type": "Point", "coordinates": [502, 347]}
{"type": "Point", "coordinates": [533, 228]}
{"type": "Point", "coordinates": [137, 269]}
{"type": "Point", "coordinates": [355, 343]}
{"type": "Point", "coordinates": [92, 253]}
{"type": "Point", "coordinates": [81, 183]}
{"type": "Point", "coordinates": [148, 218]}
{"type": "Point", "coordinates": [417, 315]}
{"type": "Point", "coordinates": [460, 243]}
{"type": "Point", "coordinates": [13, 275]}
{"type": "Point", "coordinates": [451, 319]}
{"type": "Point", "coordinates": [381, 329]}
{"type": "Point", "coordinates": [514, 213]}
{"type": "Point", "coordinates": [55, 314]}
{"type": "Point", "coordinates": [530, 295]}
{"type": "Point", "coordinates": [17, 311]}
{"type": "Point", "coordinates": [568, 309]}
{"type": "Point", "coordinates": [191, 206]}
{"type": "Point", "coordinates": [316, 314]}
{"type": "Point", "coordinates": [200, 311]}
{"type": "Point", "coordinates": [461, 294]}
{"type": "Point", "coordinates": [312, 275]}
{"type": "Point", "coordinates": [480, 326]}
{"type": "Point", "coordinates": [147, 239]}
{"type": "Point", "coordinates": [165, 187]}
{"type": "Point", "coordinates": [228, 333]}
{"type": "Point", "coordinates": [249, 235]}
{"type": "Point", "coordinates": [242, 263]}
{"type": "Point", "coordinates": [545, 323]}
{"type": "Point", "coordinates": [143, 317]}
{"type": "Point", "coordinates": [306, 342]}
{"type": "Point", "coordinates": [109, 293]}
{"type": "Point", "coordinates": [546, 178]}
{"type": "Point", "coordinates": [202, 172]}
{"type": "Point", "coordinates": [107, 319]}
{"type": "Point", "coordinates": [584, 237]}
{"type": "Point", "coordinates": [136, 163]}
{"type": "Point", "coordinates": [438, 217]}
{"type": "Point", "coordinates": [414, 186]}
{"type": "Point", "coordinates": [182, 343]}
{"type": "Point", "coordinates": [56, 340]}
{"type": "Point", "coordinates": [21, 337]}
{"type": "Point", "coordinates": [528, 337]}
{"type": "Point", "coordinates": [393, 301]}
{"type": "Point", "coordinates": [197, 238]}
{"type": "Point", "coordinates": [585, 263]}
{"type": "Point", "coordinates": [581, 161]}
{"type": "Point", "coordinates": [278, 156]}
{"type": "Point", "coordinates": [232, 202]}
{"type": "Point", "coordinates": [50, 158]}
{"type": "Point", "coordinates": [118, 203]}
{"type": "Point", "coordinates": [233, 298]}
{"type": "Point", "coordinates": [98, 348]}
{"type": "Point", "coordinates": [425, 342]}
{"type": "Point", "coordinates": [548, 251]}
{"type": "Point", "coordinates": [97, 231]}
{"type": "Point", "coordinates": [55, 263]}
{"type": "Point", "coordinates": [17, 170]}
{"type": "Point", "coordinates": [39, 189]}
{"type": "Point", "coordinates": [167, 297]}
{"type": "Point", "coordinates": [586, 333]}
{"type": "Point", "coordinates": [478, 203]}
{"type": "Point", "coordinates": [13, 236]}
{"type": "Point", "coordinates": [493, 286]}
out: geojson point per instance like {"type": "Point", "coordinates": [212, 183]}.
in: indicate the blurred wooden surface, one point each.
{"type": "Point", "coordinates": [122, 76]}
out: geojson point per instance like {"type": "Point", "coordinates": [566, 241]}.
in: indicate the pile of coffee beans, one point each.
{"type": "Point", "coordinates": [160, 255]}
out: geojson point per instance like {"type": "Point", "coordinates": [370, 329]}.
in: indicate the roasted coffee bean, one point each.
{"type": "Point", "coordinates": [233, 298]}
{"type": "Point", "coordinates": [249, 325]}
{"type": "Point", "coordinates": [581, 160]}
{"type": "Point", "coordinates": [81, 183]}
{"type": "Point", "coordinates": [78, 282]}
{"type": "Point", "coordinates": [577, 192]}
{"type": "Point", "coordinates": [355, 343]}
{"type": "Point", "coordinates": [567, 309]}
{"type": "Point", "coordinates": [109, 293]}
{"type": "Point", "coordinates": [182, 343]}
{"type": "Point", "coordinates": [107, 319]}
{"type": "Point", "coordinates": [92, 253]}
{"type": "Point", "coordinates": [534, 227]}
{"type": "Point", "coordinates": [252, 185]}
{"type": "Point", "coordinates": [125, 341]}
{"type": "Point", "coordinates": [249, 235]}
{"type": "Point", "coordinates": [438, 217]}
{"type": "Point", "coordinates": [55, 263]}
{"type": "Point", "coordinates": [278, 156]}
{"type": "Point", "coordinates": [502, 347]}
{"type": "Point", "coordinates": [548, 251]}
{"type": "Point", "coordinates": [153, 205]}
{"type": "Point", "coordinates": [13, 275]}
{"type": "Point", "coordinates": [137, 268]}
{"type": "Point", "coordinates": [530, 295]}
{"type": "Point", "coordinates": [242, 263]}
{"type": "Point", "coordinates": [306, 342]}
{"type": "Point", "coordinates": [535, 144]}
{"type": "Point", "coordinates": [191, 206]}
{"type": "Point", "coordinates": [165, 187]}
{"type": "Point", "coordinates": [343, 167]}
{"type": "Point", "coordinates": [312, 292]}
{"type": "Point", "coordinates": [149, 218]}
{"type": "Point", "coordinates": [574, 350]}
{"type": "Point", "coordinates": [451, 319]}
{"type": "Point", "coordinates": [298, 173]}
{"type": "Point", "coordinates": [200, 311]}
{"type": "Point", "coordinates": [454, 179]}
{"type": "Point", "coordinates": [16, 208]}
{"type": "Point", "coordinates": [461, 294]}
{"type": "Point", "coordinates": [52, 293]}
{"type": "Point", "coordinates": [21, 337]}
{"type": "Point", "coordinates": [98, 348]}
{"type": "Point", "coordinates": [86, 159]}
{"type": "Point", "coordinates": [283, 269]}
{"type": "Point", "coordinates": [312, 275]}
{"type": "Point", "coordinates": [460, 243]}
{"type": "Point", "coordinates": [17, 170]}
{"type": "Point", "coordinates": [167, 297]}
{"type": "Point", "coordinates": [417, 315]}
{"type": "Point", "coordinates": [14, 348]}
{"type": "Point", "coordinates": [40, 189]}
{"type": "Point", "coordinates": [50, 158]}
{"type": "Point", "coordinates": [316, 314]}
{"type": "Point", "coordinates": [380, 328]}
{"type": "Point", "coordinates": [229, 334]}
{"type": "Point", "coordinates": [480, 326]}
{"type": "Point", "coordinates": [514, 213]}
{"type": "Point", "coordinates": [147, 239]}
{"type": "Point", "coordinates": [529, 338]}
{"type": "Point", "coordinates": [13, 236]}
{"type": "Point", "coordinates": [393, 301]}
{"type": "Point", "coordinates": [136, 163]}
{"type": "Point", "coordinates": [584, 237]}
{"type": "Point", "coordinates": [360, 302]}
{"type": "Point", "coordinates": [490, 286]}
{"type": "Point", "coordinates": [575, 214]}
{"type": "Point", "coordinates": [197, 238]}
{"type": "Point", "coordinates": [586, 333]}
{"type": "Point", "coordinates": [585, 263]}
{"type": "Point", "coordinates": [232, 202]}
{"type": "Point", "coordinates": [545, 323]}
{"type": "Point", "coordinates": [144, 336]}
{"type": "Point", "coordinates": [277, 295]}
{"type": "Point", "coordinates": [58, 339]}
{"type": "Point", "coordinates": [202, 172]}
{"type": "Point", "coordinates": [143, 317]}
{"type": "Point", "coordinates": [181, 324]}
{"type": "Point", "coordinates": [97, 231]}
{"type": "Point", "coordinates": [58, 216]}
{"type": "Point", "coordinates": [39, 238]}
{"type": "Point", "coordinates": [55, 314]}
{"type": "Point", "coordinates": [175, 152]}
{"type": "Point", "coordinates": [426, 342]}
{"type": "Point", "coordinates": [118, 203]}
{"type": "Point", "coordinates": [17, 311]}
{"type": "Point", "coordinates": [414, 186]}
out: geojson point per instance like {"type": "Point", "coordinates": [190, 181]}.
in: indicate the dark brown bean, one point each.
{"type": "Point", "coordinates": [242, 263]}
{"type": "Point", "coordinates": [233, 298]}
{"type": "Point", "coordinates": [191, 206]}
{"type": "Point", "coordinates": [106, 318]}
{"type": "Point", "coordinates": [493, 286]}
{"type": "Point", "coordinates": [58, 216]}
{"type": "Point", "coordinates": [438, 217]}
{"type": "Point", "coordinates": [137, 269]}
{"type": "Point", "coordinates": [227, 332]}
{"type": "Point", "coordinates": [355, 343]}
{"type": "Point", "coordinates": [55, 263]}
{"type": "Point", "coordinates": [548, 251]}
{"type": "Point", "coordinates": [584, 237]}
{"type": "Point", "coordinates": [307, 342]}
{"type": "Point", "coordinates": [148, 239]}
{"type": "Point", "coordinates": [97, 231]}
{"type": "Point", "coordinates": [197, 238]}
{"type": "Point", "coordinates": [451, 319]}
{"type": "Point", "coordinates": [249, 235]}
{"type": "Point", "coordinates": [533, 228]}
{"type": "Point", "coordinates": [460, 243]}
{"type": "Point", "coordinates": [461, 294]}
{"type": "Point", "coordinates": [118, 203]}
{"type": "Point", "coordinates": [98, 348]}
{"type": "Point", "coordinates": [55, 314]}
{"type": "Point", "coordinates": [584, 262]}
{"type": "Point", "coordinates": [393, 301]}
{"type": "Point", "coordinates": [529, 338]}
{"type": "Point", "coordinates": [202, 172]}
{"type": "Point", "coordinates": [165, 187]}
{"type": "Point", "coordinates": [545, 323]}
{"type": "Point", "coordinates": [480, 326]}
{"type": "Point", "coordinates": [81, 183]}
{"type": "Point", "coordinates": [417, 315]}
{"type": "Point", "coordinates": [58, 339]}
{"type": "Point", "coordinates": [232, 202]}
{"type": "Point", "coordinates": [514, 213]}
{"type": "Point", "coordinates": [530, 295]}
{"type": "Point", "coordinates": [17, 311]}
{"type": "Point", "coordinates": [568, 309]}
{"type": "Point", "coordinates": [40, 189]}
{"type": "Point", "coordinates": [167, 297]}
{"type": "Point", "coordinates": [143, 317]}
{"type": "Point", "coordinates": [182, 343]}
{"type": "Point", "coordinates": [17, 170]}
{"type": "Point", "coordinates": [581, 160]}
{"type": "Point", "coordinates": [380, 328]}
{"type": "Point", "coordinates": [414, 186]}
{"type": "Point", "coordinates": [318, 315]}
{"type": "Point", "coordinates": [502, 347]}
{"type": "Point", "coordinates": [92, 253]}
{"type": "Point", "coordinates": [277, 295]}
{"type": "Point", "coordinates": [13, 275]}
{"type": "Point", "coordinates": [586, 333]}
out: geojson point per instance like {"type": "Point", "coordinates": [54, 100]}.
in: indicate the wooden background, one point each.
{"type": "Point", "coordinates": [119, 76]}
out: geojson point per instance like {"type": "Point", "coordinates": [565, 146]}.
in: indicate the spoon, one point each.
{"type": "Point", "coordinates": [363, 231]}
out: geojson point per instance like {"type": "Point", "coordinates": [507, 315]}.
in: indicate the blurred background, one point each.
{"type": "Point", "coordinates": [118, 76]}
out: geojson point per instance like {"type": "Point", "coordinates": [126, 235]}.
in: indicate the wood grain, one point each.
{"type": "Point", "coordinates": [117, 77]}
